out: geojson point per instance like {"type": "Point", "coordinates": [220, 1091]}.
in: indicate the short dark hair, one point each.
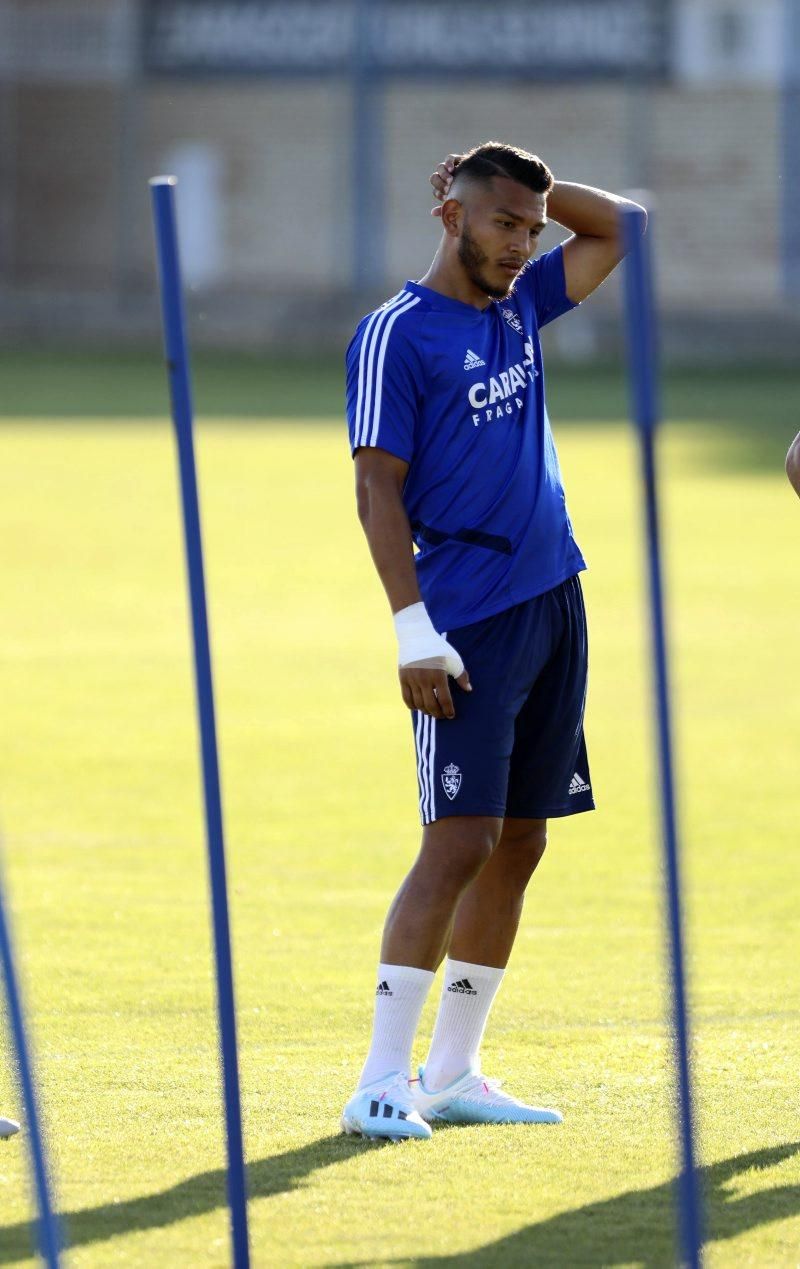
{"type": "Point", "coordinates": [494, 158]}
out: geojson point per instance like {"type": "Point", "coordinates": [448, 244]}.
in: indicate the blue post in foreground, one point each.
{"type": "Point", "coordinates": [47, 1226]}
{"type": "Point", "coordinates": [162, 188]}
{"type": "Point", "coordinates": [640, 314]}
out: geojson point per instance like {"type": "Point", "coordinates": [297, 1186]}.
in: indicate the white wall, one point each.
{"type": "Point", "coordinates": [728, 41]}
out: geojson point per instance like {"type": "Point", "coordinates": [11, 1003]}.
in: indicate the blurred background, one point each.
{"type": "Point", "coordinates": [303, 135]}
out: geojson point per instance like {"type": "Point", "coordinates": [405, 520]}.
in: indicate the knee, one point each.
{"type": "Point", "coordinates": [458, 848]}
{"type": "Point", "coordinates": [523, 843]}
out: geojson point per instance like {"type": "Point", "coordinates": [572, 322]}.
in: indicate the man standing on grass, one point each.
{"type": "Point", "coordinates": [454, 456]}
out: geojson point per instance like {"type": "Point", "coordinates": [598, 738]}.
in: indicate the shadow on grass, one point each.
{"type": "Point", "coordinates": [195, 1196]}
{"type": "Point", "coordinates": [635, 1227]}
{"type": "Point", "coordinates": [632, 1228]}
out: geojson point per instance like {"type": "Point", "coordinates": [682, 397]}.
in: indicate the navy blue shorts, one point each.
{"type": "Point", "coordinates": [516, 746]}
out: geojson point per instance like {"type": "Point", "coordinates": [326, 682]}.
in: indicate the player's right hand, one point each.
{"type": "Point", "coordinates": [442, 179]}
{"type": "Point", "coordinates": [425, 686]}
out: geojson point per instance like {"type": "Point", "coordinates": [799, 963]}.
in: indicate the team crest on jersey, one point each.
{"type": "Point", "coordinates": [513, 320]}
{"type": "Point", "coordinates": [451, 780]}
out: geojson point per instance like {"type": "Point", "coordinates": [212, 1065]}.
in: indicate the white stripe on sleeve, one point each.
{"type": "Point", "coordinates": [376, 413]}
{"type": "Point", "coordinates": [374, 341]}
{"type": "Point", "coordinates": [365, 342]}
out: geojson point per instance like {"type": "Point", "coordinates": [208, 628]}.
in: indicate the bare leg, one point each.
{"type": "Point", "coordinates": [419, 922]}
{"type": "Point", "coordinates": [488, 915]}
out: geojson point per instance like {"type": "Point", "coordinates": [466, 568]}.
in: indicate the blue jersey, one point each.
{"type": "Point", "coordinates": [458, 393]}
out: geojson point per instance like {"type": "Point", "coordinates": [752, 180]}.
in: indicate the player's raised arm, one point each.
{"type": "Point", "coordinates": [793, 464]}
{"type": "Point", "coordinates": [596, 247]}
{"type": "Point", "coordinates": [425, 659]}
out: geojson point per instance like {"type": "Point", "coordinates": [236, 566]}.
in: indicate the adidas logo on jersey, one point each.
{"type": "Point", "coordinates": [472, 360]}
{"type": "Point", "coordinates": [578, 785]}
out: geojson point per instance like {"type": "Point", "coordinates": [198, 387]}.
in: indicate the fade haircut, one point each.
{"type": "Point", "coordinates": [493, 158]}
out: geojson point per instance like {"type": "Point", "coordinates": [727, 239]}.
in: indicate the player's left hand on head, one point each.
{"type": "Point", "coordinates": [442, 179]}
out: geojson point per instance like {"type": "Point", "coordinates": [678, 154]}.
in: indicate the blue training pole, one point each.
{"type": "Point", "coordinates": [641, 331]}
{"type": "Point", "coordinates": [162, 188]}
{"type": "Point", "coordinates": [47, 1226]}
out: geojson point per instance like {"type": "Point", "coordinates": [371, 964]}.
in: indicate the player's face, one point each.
{"type": "Point", "coordinates": [499, 233]}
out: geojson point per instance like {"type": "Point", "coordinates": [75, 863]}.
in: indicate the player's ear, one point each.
{"type": "Point", "coordinates": [452, 216]}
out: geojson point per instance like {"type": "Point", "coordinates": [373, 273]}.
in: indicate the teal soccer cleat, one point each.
{"type": "Point", "coordinates": [474, 1099]}
{"type": "Point", "coordinates": [385, 1111]}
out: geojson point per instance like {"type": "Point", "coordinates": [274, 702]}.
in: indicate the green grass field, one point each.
{"type": "Point", "coordinates": [105, 856]}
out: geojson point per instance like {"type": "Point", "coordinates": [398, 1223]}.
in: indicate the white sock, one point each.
{"type": "Point", "coordinates": [467, 995]}
{"type": "Point", "coordinates": [399, 997]}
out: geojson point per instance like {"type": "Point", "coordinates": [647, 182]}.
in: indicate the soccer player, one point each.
{"type": "Point", "coordinates": [793, 464]}
{"type": "Point", "coordinates": [454, 457]}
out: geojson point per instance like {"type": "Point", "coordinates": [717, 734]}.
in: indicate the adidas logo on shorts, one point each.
{"type": "Point", "coordinates": [578, 785]}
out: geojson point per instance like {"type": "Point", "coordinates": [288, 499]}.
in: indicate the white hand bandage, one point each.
{"type": "Point", "coordinates": [419, 641]}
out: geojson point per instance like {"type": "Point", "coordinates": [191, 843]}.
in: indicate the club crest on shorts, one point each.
{"type": "Point", "coordinates": [451, 780]}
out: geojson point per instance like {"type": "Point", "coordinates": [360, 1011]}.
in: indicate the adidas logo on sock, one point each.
{"type": "Point", "coordinates": [464, 987]}
{"type": "Point", "coordinates": [578, 785]}
{"type": "Point", "coordinates": [472, 360]}
{"type": "Point", "coordinates": [383, 989]}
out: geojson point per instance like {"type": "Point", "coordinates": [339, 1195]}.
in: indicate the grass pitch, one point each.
{"type": "Point", "coordinates": [105, 855]}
